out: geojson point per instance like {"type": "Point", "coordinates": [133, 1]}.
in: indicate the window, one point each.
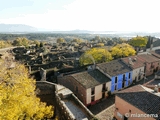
{"type": "Point", "coordinates": [104, 87]}
{"type": "Point", "coordinates": [124, 77]}
{"type": "Point", "coordinates": [115, 79]}
{"type": "Point", "coordinates": [115, 87]}
{"type": "Point", "coordinates": [123, 84]}
{"type": "Point", "coordinates": [92, 91]}
{"type": "Point", "coordinates": [92, 99]}
{"type": "Point", "coordinates": [129, 75]}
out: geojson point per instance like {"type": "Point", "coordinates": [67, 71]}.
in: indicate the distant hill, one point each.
{"type": "Point", "coordinates": [16, 28]}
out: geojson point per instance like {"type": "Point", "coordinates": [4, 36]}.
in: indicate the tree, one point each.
{"type": "Point", "coordinates": [97, 55]}
{"type": "Point", "coordinates": [100, 44]}
{"type": "Point", "coordinates": [110, 42]}
{"type": "Point", "coordinates": [61, 40]}
{"type": "Point", "coordinates": [37, 43]}
{"type": "Point", "coordinates": [21, 42]}
{"type": "Point", "coordinates": [41, 44]}
{"type": "Point", "coordinates": [77, 40]}
{"type": "Point", "coordinates": [122, 50]}
{"type": "Point", "coordinates": [18, 99]}
{"type": "Point", "coordinates": [138, 41]}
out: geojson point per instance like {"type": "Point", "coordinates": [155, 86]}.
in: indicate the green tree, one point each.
{"type": "Point", "coordinates": [122, 50]}
{"type": "Point", "coordinates": [138, 41]}
{"type": "Point", "coordinates": [97, 55]}
{"type": "Point", "coordinates": [61, 40]}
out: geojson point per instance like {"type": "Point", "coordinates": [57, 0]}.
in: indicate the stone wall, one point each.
{"type": "Point", "coordinates": [48, 92]}
{"type": "Point", "coordinates": [43, 74]}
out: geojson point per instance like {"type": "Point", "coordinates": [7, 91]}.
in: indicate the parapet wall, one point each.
{"type": "Point", "coordinates": [48, 92]}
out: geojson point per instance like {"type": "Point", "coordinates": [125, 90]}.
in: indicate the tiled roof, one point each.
{"type": "Point", "coordinates": [156, 53]}
{"type": "Point", "coordinates": [137, 88]}
{"type": "Point", "coordinates": [158, 73]}
{"type": "Point", "coordinates": [90, 79]}
{"type": "Point", "coordinates": [137, 62]}
{"type": "Point", "coordinates": [114, 67]}
{"type": "Point", "coordinates": [153, 82]}
{"type": "Point", "coordinates": [148, 58]}
{"type": "Point", "coordinates": [143, 100]}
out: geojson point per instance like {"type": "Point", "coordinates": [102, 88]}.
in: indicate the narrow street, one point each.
{"type": "Point", "coordinates": [104, 110]}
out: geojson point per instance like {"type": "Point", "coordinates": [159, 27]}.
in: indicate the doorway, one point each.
{"type": "Point", "coordinates": [103, 95]}
{"type": "Point", "coordinates": [123, 84]}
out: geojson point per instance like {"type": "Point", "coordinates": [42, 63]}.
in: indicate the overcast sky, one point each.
{"type": "Point", "coordinates": [97, 15]}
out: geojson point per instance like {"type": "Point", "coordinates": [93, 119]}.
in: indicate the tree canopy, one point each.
{"type": "Point", "coordinates": [21, 42]}
{"type": "Point", "coordinates": [37, 43]}
{"type": "Point", "coordinates": [77, 40]}
{"type": "Point", "coordinates": [100, 44]}
{"type": "Point", "coordinates": [4, 44]}
{"type": "Point", "coordinates": [18, 99]}
{"type": "Point", "coordinates": [97, 55]}
{"type": "Point", "coordinates": [122, 50]}
{"type": "Point", "coordinates": [138, 41]}
{"type": "Point", "coordinates": [61, 40]}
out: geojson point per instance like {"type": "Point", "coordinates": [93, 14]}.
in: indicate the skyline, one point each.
{"type": "Point", "coordinates": [92, 15]}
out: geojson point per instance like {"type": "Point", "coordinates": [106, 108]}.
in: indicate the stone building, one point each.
{"type": "Point", "coordinates": [89, 86]}
{"type": "Point", "coordinates": [66, 105]}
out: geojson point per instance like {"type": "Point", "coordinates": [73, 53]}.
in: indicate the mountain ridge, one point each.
{"type": "Point", "coordinates": [16, 28]}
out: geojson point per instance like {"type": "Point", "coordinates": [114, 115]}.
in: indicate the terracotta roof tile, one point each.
{"type": "Point", "coordinates": [146, 101]}
{"type": "Point", "coordinates": [148, 58]}
{"type": "Point", "coordinates": [137, 88]}
{"type": "Point", "coordinates": [114, 67]}
{"type": "Point", "coordinates": [90, 79]}
{"type": "Point", "coordinates": [137, 62]}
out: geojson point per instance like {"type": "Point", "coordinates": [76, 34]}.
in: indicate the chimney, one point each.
{"type": "Point", "coordinates": [130, 61]}
{"type": "Point", "coordinates": [135, 59]}
{"type": "Point", "coordinates": [156, 89]}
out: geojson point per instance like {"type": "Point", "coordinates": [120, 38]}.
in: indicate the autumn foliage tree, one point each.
{"type": "Point", "coordinates": [122, 50]}
{"type": "Point", "coordinates": [77, 40]}
{"type": "Point", "coordinates": [18, 99]}
{"type": "Point", "coordinates": [21, 42]}
{"type": "Point", "coordinates": [4, 44]}
{"type": "Point", "coordinates": [61, 40]}
{"type": "Point", "coordinates": [100, 44]}
{"type": "Point", "coordinates": [37, 43]}
{"type": "Point", "coordinates": [97, 55]}
{"type": "Point", "coordinates": [138, 41]}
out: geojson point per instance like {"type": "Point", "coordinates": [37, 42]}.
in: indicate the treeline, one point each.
{"type": "Point", "coordinates": [44, 36]}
